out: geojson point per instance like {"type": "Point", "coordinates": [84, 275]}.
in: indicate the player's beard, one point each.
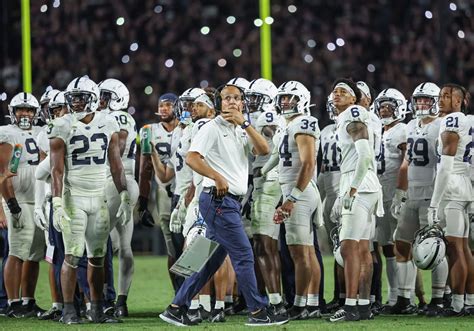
{"type": "Point", "coordinates": [166, 119]}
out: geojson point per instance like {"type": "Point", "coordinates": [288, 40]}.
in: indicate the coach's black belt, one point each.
{"type": "Point", "coordinates": [213, 191]}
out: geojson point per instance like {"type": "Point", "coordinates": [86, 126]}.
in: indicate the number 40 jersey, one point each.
{"type": "Point", "coordinates": [86, 151]}
{"type": "Point", "coordinates": [289, 163]}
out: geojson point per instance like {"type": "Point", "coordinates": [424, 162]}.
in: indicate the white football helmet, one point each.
{"type": "Point", "coordinates": [429, 247]}
{"type": "Point", "coordinates": [292, 98]}
{"type": "Point", "coordinates": [334, 235]}
{"type": "Point", "coordinates": [184, 104]}
{"type": "Point", "coordinates": [239, 82]}
{"type": "Point", "coordinates": [426, 90]}
{"type": "Point", "coordinates": [24, 100]}
{"type": "Point", "coordinates": [332, 111]}
{"type": "Point", "coordinates": [44, 100]}
{"type": "Point", "coordinates": [83, 93]}
{"type": "Point", "coordinates": [115, 93]}
{"type": "Point", "coordinates": [57, 101]}
{"type": "Point", "coordinates": [396, 100]}
{"type": "Point", "coordinates": [260, 95]}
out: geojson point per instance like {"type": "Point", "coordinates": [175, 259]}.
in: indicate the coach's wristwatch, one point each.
{"type": "Point", "coordinates": [245, 125]}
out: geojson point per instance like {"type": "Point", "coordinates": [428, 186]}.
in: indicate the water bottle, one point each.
{"type": "Point", "coordinates": [145, 140]}
{"type": "Point", "coordinates": [15, 161]}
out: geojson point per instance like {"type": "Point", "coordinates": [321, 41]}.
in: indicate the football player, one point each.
{"type": "Point", "coordinates": [114, 98]}
{"type": "Point", "coordinates": [412, 197]}
{"type": "Point", "coordinates": [453, 194]}
{"type": "Point", "coordinates": [26, 241]}
{"type": "Point", "coordinates": [359, 196]}
{"type": "Point", "coordinates": [297, 173]}
{"type": "Point", "coordinates": [80, 145]}
{"type": "Point", "coordinates": [391, 106]}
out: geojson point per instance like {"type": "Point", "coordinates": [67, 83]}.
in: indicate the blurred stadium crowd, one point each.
{"type": "Point", "coordinates": [155, 46]}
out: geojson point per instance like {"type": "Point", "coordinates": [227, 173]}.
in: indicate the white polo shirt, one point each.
{"type": "Point", "coordinates": [225, 148]}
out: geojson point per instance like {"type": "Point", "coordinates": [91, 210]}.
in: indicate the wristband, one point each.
{"type": "Point", "coordinates": [295, 195]}
{"type": "Point", "coordinates": [13, 206]}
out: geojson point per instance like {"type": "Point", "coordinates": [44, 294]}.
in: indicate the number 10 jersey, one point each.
{"type": "Point", "coordinates": [86, 151]}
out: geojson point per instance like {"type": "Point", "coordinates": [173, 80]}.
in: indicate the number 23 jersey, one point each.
{"type": "Point", "coordinates": [289, 163]}
{"type": "Point", "coordinates": [86, 151]}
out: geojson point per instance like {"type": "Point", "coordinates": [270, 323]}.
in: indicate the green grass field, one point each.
{"type": "Point", "coordinates": [151, 293]}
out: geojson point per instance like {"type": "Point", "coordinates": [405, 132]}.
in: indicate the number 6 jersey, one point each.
{"type": "Point", "coordinates": [24, 182]}
{"type": "Point", "coordinates": [289, 164]}
{"type": "Point", "coordinates": [86, 151]}
{"type": "Point", "coordinates": [422, 158]}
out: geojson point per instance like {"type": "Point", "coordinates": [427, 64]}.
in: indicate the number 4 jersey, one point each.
{"type": "Point", "coordinates": [23, 183]}
{"type": "Point", "coordinates": [86, 151]}
{"type": "Point", "coordinates": [422, 158]}
{"type": "Point", "coordinates": [289, 164]}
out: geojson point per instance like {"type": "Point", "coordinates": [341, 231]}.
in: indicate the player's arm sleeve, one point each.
{"type": "Point", "coordinates": [43, 170]}
{"type": "Point", "coordinates": [271, 163]}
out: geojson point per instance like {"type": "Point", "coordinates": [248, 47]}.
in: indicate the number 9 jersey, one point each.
{"type": "Point", "coordinates": [289, 163]}
{"type": "Point", "coordinates": [86, 151]}
{"type": "Point", "coordinates": [422, 158]}
{"type": "Point", "coordinates": [23, 183]}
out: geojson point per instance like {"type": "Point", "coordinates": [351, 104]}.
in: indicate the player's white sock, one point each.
{"type": "Point", "coordinates": [313, 300]}
{"type": "Point", "coordinates": [219, 304]}
{"type": "Point", "coordinates": [351, 302]}
{"type": "Point", "coordinates": [458, 302]}
{"type": "Point", "coordinates": [26, 300]}
{"type": "Point", "coordinates": [229, 299]}
{"type": "Point", "coordinates": [469, 300]}
{"type": "Point", "coordinates": [205, 301]}
{"type": "Point", "coordinates": [447, 290]}
{"type": "Point", "coordinates": [58, 305]}
{"type": "Point", "coordinates": [300, 300]}
{"type": "Point", "coordinates": [275, 298]}
{"type": "Point", "coordinates": [406, 278]}
{"type": "Point", "coordinates": [88, 306]}
{"type": "Point", "coordinates": [126, 266]}
{"type": "Point", "coordinates": [372, 298]}
{"type": "Point", "coordinates": [392, 277]}
{"type": "Point", "coordinates": [194, 304]}
{"type": "Point", "coordinates": [363, 302]}
{"type": "Point", "coordinates": [439, 276]}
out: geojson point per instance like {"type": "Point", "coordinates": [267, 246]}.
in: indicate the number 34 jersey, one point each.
{"type": "Point", "coordinates": [289, 164]}
{"type": "Point", "coordinates": [86, 151]}
{"type": "Point", "coordinates": [23, 183]}
{"type": "Point", "coordinates": [422, 158]}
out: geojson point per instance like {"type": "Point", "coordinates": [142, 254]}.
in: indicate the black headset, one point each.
{"type": "Point", "coordinates": [218, 98]}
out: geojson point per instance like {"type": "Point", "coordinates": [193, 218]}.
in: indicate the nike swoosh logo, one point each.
{"type": "Point", "coordinates": [100, 127]}
{"type": "Point", "coordinates": [267, 320]}
{"type": "Point", "coordinates": [225, 135]}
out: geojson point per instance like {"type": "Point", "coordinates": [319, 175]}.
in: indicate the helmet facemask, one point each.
{"type": "Point", "coordinates": [256, 101]}
{"type": "Point", "coordinates": [287, 105]}
{"type": "Point", "coordinates": [80, 103]}
{"type": "Point", "coordinates": [393, 105]}
{"type": "Point", "coordinates": [423, 110]}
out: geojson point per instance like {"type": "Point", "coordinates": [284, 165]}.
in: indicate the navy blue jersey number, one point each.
{"type": "Point", "coordinates": [305, 124]}
{"type": "Point", "coordinates": [381, 160]}
{"type": "Point", "coordinates": [331, 163]}
{"type": "Point", "coordinates": [163, 149]}
{"type": "Point", "coordinates": [284, 152]}
{"type": "Point", "coordinates": [417, 151]}
{"type": "Point", "coordinates": [452, 122]}
{"type": "Point", "coordinates": [85, 145]}
{"type": "Point", "coordinates": [32, 149]}
{"type": "Point", "coordinates": [133, 148]}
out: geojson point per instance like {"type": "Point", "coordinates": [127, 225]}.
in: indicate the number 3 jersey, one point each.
{"type": "Point", "coordinates": [289, 163]}
{"type": "Point", "coordinates": [422, 158]}
{"type": "Point", "coordinates": [349, 153]}
{"type": "Point", "coordinates": [24, 182]}
{"type": "Point", "coordinates": [86, 151]}
{"type": "Point", "coordinates": [459, 185]}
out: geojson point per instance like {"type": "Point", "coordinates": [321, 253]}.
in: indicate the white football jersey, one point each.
{"type": "Point", "coordinates": [390, 156]}
{"type": "Point", "coordinates": [459, 186]}
{"type": "Point", "coordinates": [23, 183]}
{"type": "Point", "coordinates": [349, 153]}
{"type": "Point", "coordinates": [265, 119]}
{"type": "Point", "coordinates": [289, 164]}
{"type": "Point", "coordinates": [331, 154]}
{"type": "Point", "coordinates": [376, 125]}
{"type": "Point", "coordinates": [197, 178]}
{"type": "Point", "coordinates": [127, 123]}
{"type": "Point", "coordinates": [42, 140]}
{"type": "Point", "coordinates": [86, 151]}
{"type": "Point", "coordinates": [183, 173]}
{"type": "Point", "coordinates": [471, 133]}
{"type": "Point", "coordinates": [422, 158]}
